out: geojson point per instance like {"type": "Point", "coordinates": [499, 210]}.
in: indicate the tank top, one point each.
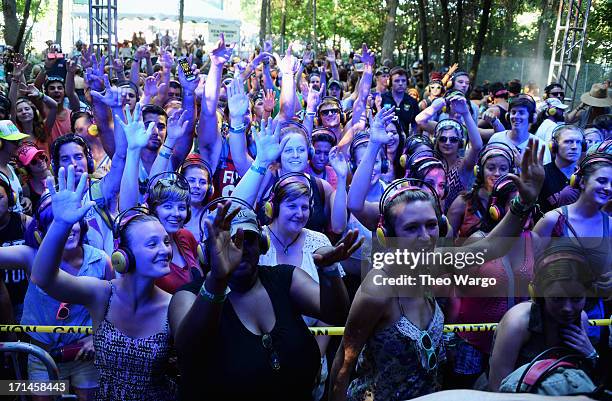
{"type": "Point", "coordinates": [181, 275]}
{"type": "Point", "coordinates": [16, 281]}
{"type": "Point", "coordinates": [132, 369]}
{"type": "Point", "coordinates": [454, 184]}
{"type": "Point", "coordinates": [239, 367]}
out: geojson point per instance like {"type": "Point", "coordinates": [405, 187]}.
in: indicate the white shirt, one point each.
{"type": "Point", "coordinates": [520, 148]}
{"type": "Point", "coordinates": [545, 130]}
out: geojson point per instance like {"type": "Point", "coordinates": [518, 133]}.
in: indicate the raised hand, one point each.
{"type": "Point", "coordinates": [313, 99]}
{"type": "Point", "coordinates": [113, 97]}
{"type": "Point", "coordinates": [269, 101]}
{"type": "Point", "coordinates": [150, 86]}
{"type": "Point", "coordinates": [72, 67]}
{"type": "Point", "coordinates": [134, 128]}
{"type": "Point", "coordinates": [267, 47]}
{"type": "Point", "coordinates": [453, 68]}
{"type": "Point", "coordinates": [327, 256]}
{"type": "Point", "coordinates": [177, 124]}
{"type": "Point", "coordinates": [67, 201]}
{"type": "Point", "coordinates": [221, 54]}
{"type": "Point", "coordinates": [532, 172]}
{"type": "Point", "coordinates": [165, 59]}
{"type": "Point", "coordinates": [339, 163]}
{"type": "Point", "coordinates": [189, 86]}
{"type": "Point", "coordinates": [261, 57]}
{"type": "Point", "coordinates": [19, 66]}
{"type": "Point", "coordinates": [94, 75]}
{"type": "Point", "coordinates": [29, 90]}
{"type": "Point", "coordinates": [225, 253]}
{"type": "Point", "coordinates": [576, 338]}
{"type": "Point", "coordinates": [117, 65]}
{"type": "Point", "coordinates": [289, 64]}
{"type": "Point", "coordinates": [331, 56]}
{"type": "Point", "coordinates": [307, 57]}
{"type": "Point", "coordinates": [237, 100]}
{"type": "Point", "coordinates": [86, 58]}
{"type": "Point", "coordinates": [378, 132]}
{"type": "Point", "coordinates": [367, 56]}
{"type": "Point", "coordinates": [141, 53]}
{"type": "Point", "coordinates": [458, 104]}
{"type": "Point", "coordinates": [267, 141]}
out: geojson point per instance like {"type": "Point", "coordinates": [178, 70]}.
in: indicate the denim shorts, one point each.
{"type": "Point", "coordinates": [81, 374]}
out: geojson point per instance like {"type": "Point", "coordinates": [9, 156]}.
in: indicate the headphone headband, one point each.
{"type": "Point", "coordinates": [496, 149]}
{"type": "Point", "coordinates": [405, 184]}
{"type": "Point", "coordinates": [449, 122]}
{"type": "Point", "coordinates": [122, 220]}
{"type": "Point", "coordinates": [219, 200]}
{"type": "Point", "coordinates": [178, 178]}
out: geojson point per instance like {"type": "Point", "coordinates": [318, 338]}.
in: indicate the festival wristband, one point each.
{"type": "Point", "coordinates": [238, 130]}
{"type": "Point", "coordinates": [210, 297]}
{"type": "Point", "coordinates": [311, 113]}
{"type": "Point", "coordinates": [259, 169]}
{"type": "Point", "coordinates": [167, 147]}
{"type": "Point", "coordinates": [520, 209]}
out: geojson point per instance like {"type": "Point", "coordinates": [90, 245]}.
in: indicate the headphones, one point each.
{"type": "Point", "coordinates": [5, 183]}
{"type": "Point", "coordinates": [195, 160]}
{"type": "Point", "coordinates": [68, 138]}
{"type": "Point", "coordinates": [604, 147]}
{"type": "Point", "coordinates": [531, 104]}
{"type": "Point", "coordinates": [553, 145]}
{"type": "Point", "coordinates": [596, 157]}
{"type": "Point", "coordinates": [447, 123]}
{"type": "Point", "coordinates": [326, 100]}
{"type": "Point", "coordinates": [294, 124]}
{"type": "Point", "coordinates": [270, 206]}
{"type": "Point", "coordinates": [412, 143]}
{"type": "Point", "coordinates": [322, 134]}
{"type": "Point", "coordinates": [420, 163]}
{"type": "Point", "coordinates": [392, 192]}
{"type": "Point", "coordinates": [503, 184]}
{"type": "Point", "coordinates": [492, 150]}
{"type": "Point", "coordinates": [174, 179]}
{"type": "Point", "coordinates": [451, 82]}
{"type": "Point", "coordinates": [363, 138]}
{"type": "Point", "coordinates": [203, 255]}
{"type": "Point", "coordinates": [122, 258]}
{"type": "Point", "coordinates": [554, 254]}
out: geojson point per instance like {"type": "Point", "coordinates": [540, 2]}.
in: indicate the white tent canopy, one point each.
{"type": "Point", "coordinates": [197, 11]}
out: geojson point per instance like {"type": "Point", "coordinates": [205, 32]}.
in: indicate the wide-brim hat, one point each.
{"type": "Point", "coordinates": [597, 97]}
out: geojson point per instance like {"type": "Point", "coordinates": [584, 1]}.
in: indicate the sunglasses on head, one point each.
{"type": "Point", "coordinates": [63, 311]}
{"type": "Point", "coordinates": [330, 112]}
{"type": "Point", "coordinates": [274, 360]}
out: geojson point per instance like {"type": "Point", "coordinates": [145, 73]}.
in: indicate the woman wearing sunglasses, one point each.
{"type": "Point", "coordinates": [168, 198]}
{"type": "Point", "coordinates": [393, 338]}
{"type": "Point", "coordinates": [434, 90]}
{"type": "Point", "coordinates": [73, 352]}
{"type": "Point", "coordinates": [35, 163]}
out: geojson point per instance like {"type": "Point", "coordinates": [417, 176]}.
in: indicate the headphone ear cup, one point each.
{"type": "Point", "coordinates": [532, 291]}
{"type": "Point", "coordinates": [380, 235]}
{"type": "Point", "coordinates": [1, 143]}
{"type": "Point", "coordinates": [495, 213]}
{"type": "Point", "coordinates": [122, 259]}
{"type": "Point", "coordinates": [38, 236]}
{"type": "Point", "coordinates": [264, 243]}
{"type": "Point", "coordinates": [476, 170]}
{"type": "Point", "coordinates": [269, 209]}
{"type": "Point", "coordinates": [575, 181]}
{"type": "Point", "coordinates": [443, 226]}
{"type": "Point", "coordinates": [403, 159]}
{"type": "Point", "coordinates": [201, 254]}
{"type": "Point", "coordinates": [552, 111]}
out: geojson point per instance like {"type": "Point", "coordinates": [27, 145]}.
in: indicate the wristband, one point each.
{"type": "Point", "coordinates": [518, 208]}
{"type": "Point", "coordinates": [210, 297]}
{"type": "Point", "coordinates": [165, 155]}
{"type": "Point", "coordinates": [238, 130]}
{"type": "Point", "coordinates": [259, 170]}
{"type": "Point", "coordinates": [266, 61]}
{"type": "Point", "coordinates": [41, 95]}
{"type": "Point", "coordinates": [167, 147]}
{"type": "Point", "coordinates": [311, 113]}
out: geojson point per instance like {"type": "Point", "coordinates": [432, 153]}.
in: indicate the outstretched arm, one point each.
{"type": "Point", "coordinates": [288, 67]}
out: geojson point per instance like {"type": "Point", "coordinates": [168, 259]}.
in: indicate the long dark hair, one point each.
{"type": "Point", "coordinates": [38, 124]}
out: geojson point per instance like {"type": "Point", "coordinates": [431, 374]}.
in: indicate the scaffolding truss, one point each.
{"type": "Point", "coordinates": [570, 37]}
{"type": "Point", "coordinates": [103, 26]}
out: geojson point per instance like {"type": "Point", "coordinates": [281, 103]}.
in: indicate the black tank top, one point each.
{"type": "Point", "coordinates": [240, 368]}
{"type": "Point", "coordinates": [16, 280]}
{"type": "Point", "coordinates": [503, 118]}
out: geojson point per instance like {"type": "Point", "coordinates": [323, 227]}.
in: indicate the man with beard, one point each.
{"type": "Point", "coordinates": [568, 144]}
{"type": "Point", "coordinates": [551, 114]}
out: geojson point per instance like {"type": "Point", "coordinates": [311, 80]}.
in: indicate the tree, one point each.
{"type": "Point", "coordinates": [263, 20]}
{"type": "Point", "coordinates": [181, 22]}
{"type": "Point", "coordinates": [480, 40]}
{"type": "Point", "coordinates": [388, 41]}
{"type": "Point", "coordinates": [58, 23]}
{"type": "Point", "coordinates": [14, 30]}
{"type": "Point", "coordinates": [424, 39]}
{"type": "Point", "coordinates": [459, 32]}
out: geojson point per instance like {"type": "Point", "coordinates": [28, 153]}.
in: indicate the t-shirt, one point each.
{"type": "Point", "coordinates": [99, 234]}
{"type": "Point", "coordinates": [61, 125]}
{"type": "Point", "coordinates": [181, 275]}
{"type": "Point", "coordinates": [226, 176]}
{"type": "Point", "coordinates": [520, 148]}
{"type": "Point", "coordinates": [545, 130]}
{"type": "Point", "coordinates": [406, 111]}
{"type": "Point", "coordinates": [16, 280]}
{"type": "Point", "coordinates": [16, 187]}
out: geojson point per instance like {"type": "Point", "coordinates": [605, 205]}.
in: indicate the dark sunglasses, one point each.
{"type": "Point", "coordinates": [63, 311]}
{"type": "Point", "coordinates": [266, 341]}
{"type": "Point", "coordinates": [445, 139]}
{"type": "Point", "coordinates": [557, 94]}
{"type": "Point", "coordinates": [426, 344]}
{"type": "Point", "coordinates": [330, 112]}
{"type": "Point", "coordinates": [42, 158]}
{"type": "Point", "coordinates": [172, 182]}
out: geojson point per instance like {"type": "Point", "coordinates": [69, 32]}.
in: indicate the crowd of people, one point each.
{"type": "Point", "coordinates": [202, 212]}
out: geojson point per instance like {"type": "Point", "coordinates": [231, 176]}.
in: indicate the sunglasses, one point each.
{"type": "Point", "coordinates": [63, 311]}
{"type": "Point", "coordinates": [426, 344]}
{"type": "Point", "coordinates": [435, 87]}
{"type": "Point", "coordinates": [266, 341]}
{"type": "Point", "coordinates": [445, 139]}
{"type": "Point", "coordinates": [42, 158]}
{"type": "Point", "coordinates": [330, 112]}
{"type": "Point", "coordinates": [172, 182]}
{"type": "Point", "coordinates": [560, 95]}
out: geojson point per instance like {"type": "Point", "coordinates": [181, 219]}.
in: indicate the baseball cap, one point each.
{"type": "Point", "coordinates": [246, 219]}
{"type": "Point", "coordinates": [552, 102]}
{"type": "Point", "coordinates": [382, 70]}
{"type": "Point", "coordinates": [27, 153]}
{"type": "Point", "coordinates": [9, 131]}
{"type": "Point", "coordinates": [334, 82]}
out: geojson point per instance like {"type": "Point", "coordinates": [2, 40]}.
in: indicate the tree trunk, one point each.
{"type": "Point", "coordinates": [459, 33]}
{"type": "Point", "coordinates": [181, 22]}
{"type": "Point", "coordinates": [29, 34]}
{"type": "Point", "coordinates": [446, 32]}
{"type": "Point", "coordinates": [424, 39]}
{"type": "Point", "coordinates": [283, 25]}
{"type": "Point", "coordinates": [58, 23]}
{"type": "Point", "coordinates": [263, 18]}
{"type": "Point", "coordinates": [11, 24]}
{"type": "Point", "coordinates": [314, 26]}
{"type": "Point", "coordinates": [482, 33]}
{"type": "Point", "coordinates": [544, 21]}
{"type": "Point", "coordinates": [388, 42]}
{"type": "Point", "coordinates": [18, 46]}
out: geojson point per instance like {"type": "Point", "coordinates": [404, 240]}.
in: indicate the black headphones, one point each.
{"type": "Point", "coordinates": [412, 143]}
{"type": "Point", "coordinates": [322, 134]}
{"type": "Point", "coordinates": [271, 207]}
{"type": "Point", "coordinates": [451, 82]}
{"type": "Point", "coordinates": [554, 142]}
{"type": "Point", "coordinates": [122, 258]}
{"type": "Point", "coordinates": [195, 160]}
{"type": "Point", "coordinates": [523, 99]}
{"type": "Point", "coordinates": [11, 196]}
{"type": "Point", "coordinates": [398, 187]}
{"type": "Point", "coordinates": [502, 186]}
{"type": "Point", "coordinates": [327, 100]}
{"type": "Point", "coordinates": [419, 165]}
{"type": "Point", "coordinates": [203, 255]}
{"type": "Point", "coordinates": [362, 139]}
{"type": "Point", "coordinates": [64, 139]}
{"type": "Point", "coordinates": [492, 150]}
{"type": "Point", "coordinates": [174, 179]}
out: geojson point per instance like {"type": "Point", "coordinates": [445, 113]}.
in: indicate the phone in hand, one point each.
{"type": "Point", "coordinates": [359, 67]}
{"type": "Point", "coordinates": [184, 65]}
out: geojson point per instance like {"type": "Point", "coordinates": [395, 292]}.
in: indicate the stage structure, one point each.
{"type": "Point", "coordinates": [570, 37]}
{"type": "Point", "coordinates": [103, 26]}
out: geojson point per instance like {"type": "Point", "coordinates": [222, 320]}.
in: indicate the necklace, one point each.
{"type": "Point", "coordinates": [285, 248]}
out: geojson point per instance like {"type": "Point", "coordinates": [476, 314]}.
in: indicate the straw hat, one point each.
{"type": "Point", "coordinates": [597, 96]}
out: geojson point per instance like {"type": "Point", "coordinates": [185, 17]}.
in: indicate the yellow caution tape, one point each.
{"type": "Point", "coordinates": [317, 331]}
